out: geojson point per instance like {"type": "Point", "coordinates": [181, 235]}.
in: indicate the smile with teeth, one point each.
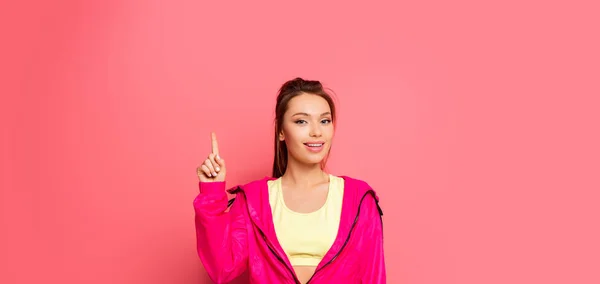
{"type": "Point", "coordinates": [315, 147]}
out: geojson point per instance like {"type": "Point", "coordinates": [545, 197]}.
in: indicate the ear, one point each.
{"type": "Point", "coordinates": [281, 136]}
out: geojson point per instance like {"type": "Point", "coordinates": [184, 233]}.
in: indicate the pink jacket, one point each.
{"type": "Point", "coordinates": [243, 238]}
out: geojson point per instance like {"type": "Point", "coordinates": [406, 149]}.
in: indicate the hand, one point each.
{"type": "Point", "coordinates": [213, 168]}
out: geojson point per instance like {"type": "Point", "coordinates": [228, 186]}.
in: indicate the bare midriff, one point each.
{"type": "Point", "coordinates": [304, 272]}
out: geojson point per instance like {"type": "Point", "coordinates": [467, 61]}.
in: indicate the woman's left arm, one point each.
{"type": "Point", "coordinates": [372, 252]}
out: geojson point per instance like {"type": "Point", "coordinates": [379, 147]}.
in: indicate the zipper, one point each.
{"type": "Point", "coordinates": [269, 245]}
{"type": "Point", "coordinates": [296, 280]}
{"type": "Point", "coordinates": [349, 233]}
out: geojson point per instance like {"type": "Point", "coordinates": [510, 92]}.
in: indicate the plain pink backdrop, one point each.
{"type": "Point", "coordinates": [478, 124]}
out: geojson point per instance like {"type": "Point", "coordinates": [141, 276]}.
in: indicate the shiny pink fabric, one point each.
{"type": "Point", "coordinates": [242, 238]}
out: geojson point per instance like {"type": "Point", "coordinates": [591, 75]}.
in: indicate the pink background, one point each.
{"type": "Point", "coordinates": [478, 125]}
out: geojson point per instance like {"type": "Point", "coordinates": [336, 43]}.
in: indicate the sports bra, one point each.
{"type": "Point", "coordinates": [306, 237]}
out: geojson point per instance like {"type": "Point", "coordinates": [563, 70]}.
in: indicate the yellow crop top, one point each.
{"type": "Point", "coordinates": [306, 237]}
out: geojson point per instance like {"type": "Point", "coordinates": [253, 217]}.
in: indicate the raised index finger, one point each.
{"type": "Point", "coordinates": [215, 145]}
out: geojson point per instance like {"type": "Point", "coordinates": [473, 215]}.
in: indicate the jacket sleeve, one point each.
{"type": "Point", "coordinates": [221, 235]}
{"type": "Point", "coordinates": [374, 271]}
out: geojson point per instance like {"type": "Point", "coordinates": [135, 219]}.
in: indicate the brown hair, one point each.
{"type": "Point", "coordinates": [288, 91]}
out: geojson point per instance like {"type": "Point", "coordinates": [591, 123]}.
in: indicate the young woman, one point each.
{"type": "Point", "coordinates": [302, 225]}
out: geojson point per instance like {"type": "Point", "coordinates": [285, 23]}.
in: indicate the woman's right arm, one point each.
{"type": "Point", "coordinates": [221, 235]}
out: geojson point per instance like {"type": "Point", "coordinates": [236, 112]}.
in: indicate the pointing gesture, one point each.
{"type": "Point", "coordinates": [213, 167]}
{"type": "Point", "coordinates": [214, 143]}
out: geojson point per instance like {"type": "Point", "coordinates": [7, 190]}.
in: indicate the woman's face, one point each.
{"type": "Point", "coordinates": [307, 129]}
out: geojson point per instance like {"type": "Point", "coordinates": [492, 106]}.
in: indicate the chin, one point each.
{"type": "Point", "coordinates": [308, 159]}
{"type": "Point", "coordinates": [314, 160]}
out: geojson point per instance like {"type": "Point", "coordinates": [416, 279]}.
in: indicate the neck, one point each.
{"type": "Point", "coordinates": [304, 175]}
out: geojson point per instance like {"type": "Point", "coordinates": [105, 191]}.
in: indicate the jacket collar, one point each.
{"type": "Point", "coordinates": [257, 199]}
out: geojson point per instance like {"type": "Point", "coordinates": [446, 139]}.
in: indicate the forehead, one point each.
{"type": "Point", "coordinates": [308, 103]}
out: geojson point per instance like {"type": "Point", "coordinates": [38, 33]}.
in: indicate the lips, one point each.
{"type": "Point", "coordinates": [315, 146]}
{"type": "Point", "coordinates": [314, 143]}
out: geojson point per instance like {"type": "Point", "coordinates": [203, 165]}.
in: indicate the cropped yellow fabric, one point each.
{"type": "Point", "coordinates": [306, 237]}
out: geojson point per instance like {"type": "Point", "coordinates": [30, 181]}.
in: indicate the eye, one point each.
{"type": "Point", "coordinates": [300, 121]}
{"type": "Point", "coordinates": [326, 121]}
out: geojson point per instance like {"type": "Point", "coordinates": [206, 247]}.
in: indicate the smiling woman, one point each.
{"type": "Point", "coordinates": [302, 225]}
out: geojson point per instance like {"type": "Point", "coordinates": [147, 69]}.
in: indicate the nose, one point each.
{"type": "Point", "coordinates": [315, 131]}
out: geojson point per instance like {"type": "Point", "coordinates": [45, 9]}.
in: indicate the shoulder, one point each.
{"type": "Point", "coordinates": [362, 193]}
{"type": "Point", "coordinates": [256, 183]}
{"type": "Point", "coordinates": [356, 185]}
{"type": "Point", "coordinates": [355, 182]}
{"type": "Point", "coordinates": [253, 187]}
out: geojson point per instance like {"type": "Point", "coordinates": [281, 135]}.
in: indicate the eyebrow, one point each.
{"type": "Point", "coordinates": [306, 114]}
